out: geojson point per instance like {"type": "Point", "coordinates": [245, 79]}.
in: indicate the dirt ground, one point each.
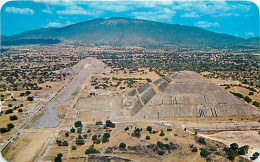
{"type": "Point", "coordinates": [27, 146]}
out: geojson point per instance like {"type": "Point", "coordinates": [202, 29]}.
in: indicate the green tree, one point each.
{"type": "Point", "coordinates": [122, 145]}
{"type": "Point", "coordinates": [78, 124]}
{"type": "Point", "coordinates": [74, 147]}
{"type": "Point", "coordinates": [149, 128]}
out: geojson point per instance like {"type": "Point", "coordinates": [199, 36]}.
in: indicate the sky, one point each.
{"type": "Point", "coordinates": [238, 18]}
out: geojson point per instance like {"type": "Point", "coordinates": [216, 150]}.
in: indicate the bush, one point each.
{"type": "Point", "coordinates": [247, 99]}
{"type": "Point", "coordinates": [79, 130]}
{"type": "Point", "coordinates": [89, 130]}
{"type": "Point", "coordinates": [255, 156]}
{"type": "Point", "coordinates": [80, 142]}
{"type": "Point", "coordinates": [202, 141]}
{"type": "Point", "coordinates": [110, 124]}
{"type": "Point", "coordinates": [65, 143]}
{"type": "Point", "coordinates": [149, 128]}
{"type": "Point", "coordinates": [9, 111]}
{"type": "Point", "coordinates": [161, 152]}
{"type": "Point", "coordinates": [58, 157]}
{"type": "Point", "coordinates": [122, 145]}
{"type": "Point", "coordinates": [59, 142]}
{"type": "Point", "coordinates": [74, 147]}
{"type": "Point", "coordinates": [29, 98]}
{"type": "Point", "coordinates": [20, 110]}
{"type": "Point", "coordinates": [234, 146]}
{"type": "Point", "coordinates": [127, 128]}
{"type": "Point", "coordinates": [107, 135]}
{"type": "Point", "coordinates": [10, 126]}
{"type": "Point", "coordinates": [91, 150]}
{"type": "Point", "coordinates": [72, 130]}
{"type": "Point", "coordinates": [3, 130]}
{"type": "Point", "coordinates": [99, 123]}
{"type": "Point", "coordinates": [169, 129]}
{"type": "Point", "coordinates": [160, 144]}
{"type": "Point", "coordinates": [94, 137]}
{"type": "Point", "coordinates": [85, 136]}
{"type": "Point", "coordinates": [10, 105]}
{"type": "Point", "coordinates": [67, 134]}
{"type": "Point", "coordinates": [162, 133]}
{"type": "Point", "coordinates": [78, 124]}
{"type": "Point", "coordinates": [97, 141]}
{"type": "Point", "coordinates": [105, 139]}
{"type": "Point", "coordinates": [14, 117]}
{"type": "Point", "coordinates": [204, 152]}
{"type": "Point", "coordinates": [194, 149]}
{"type": "Point", "coordinates": [147, 137]}
{"type": "Point", "coordinates": [80, 137]}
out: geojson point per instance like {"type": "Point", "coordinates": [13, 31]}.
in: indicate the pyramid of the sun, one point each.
{"type": "Point", "coordinates": [184, 94]}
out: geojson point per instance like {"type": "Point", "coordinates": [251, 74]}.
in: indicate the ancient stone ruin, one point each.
{"type": "Point", "coordinates": [184, 94]}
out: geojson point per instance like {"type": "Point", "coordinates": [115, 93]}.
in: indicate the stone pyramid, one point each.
{"type": "Point", "coordinates": [184, 94]}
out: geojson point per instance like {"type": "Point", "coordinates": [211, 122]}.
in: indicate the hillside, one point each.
{"type": "Point", "coordinates": [125, 31]}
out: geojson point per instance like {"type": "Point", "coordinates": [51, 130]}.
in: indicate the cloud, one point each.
{"type": "Point", "coordinates": [190, 15]}
{"type": "Point", "coordinates": [111, 6]}
{"type": "Point", "coordinates": [53, 24]}
{"type": "Point", "coordinates": [163, 14]}
{"type": "Point", "coordinates": [15, 10]}
{"type": "Point", "coordinates": [206, 24]}
{"type": "Point", "coordinates": [57, 24]}
{"type": "Point", "coordinates": [77, 10]}
{"type": "Point", "coordinates": [251, 34]}
{"type": "Point", "coordinates": [47, 11]}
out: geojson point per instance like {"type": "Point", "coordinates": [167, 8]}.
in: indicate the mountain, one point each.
{"type": "Point", "coordinates": [126, 31]}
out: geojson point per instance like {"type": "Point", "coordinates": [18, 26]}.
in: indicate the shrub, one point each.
{"type": "Point", "coordinates": [99, 123]}
{"type": "Point", "coordinates": [122, 145]}
{"type": "Point", "coordinates": [65, 143]}
{"type": "Point", "coordinates": [79, 130]}
{"type": "Point", "coordinates": [160, 144]}
{"type": "Point", "coordinates": [9, 111]}
{"type": "Point", "coordinates": [94, 137]}
{"type": "Point", "coordinates": [67, 134]}
{"type": "Point", "coordinates": [14, 117]}
{"type": "Point", "coordinates": [91, 150]}
{"type": "Point", "coordinates": [97, 141]}
{"type": "Point", "coordinates": [10, 126]}
{"type": "Point", "coordinates": [255, 156]}
{"type": "Point", "coordinates": [105, 139]}
{"type": "Point", "coordinates": [20, 110]}
{"type": "Point", "coordinates": [58, 157]}
{"type": "Point", "coordinates": [169, 129]}
{"type": "Point", "coordinates": [127, 128]}
{"type": "Point", "coordinates": [10, 105]}
{"type": "Point", "coordinates": [202, 141]}
{"type": "Point", "coordinates": [149, 128]}
{"type": "Point", "coordinates": [85, 136]}
{"type": "Point", "coordinates": [80, 137]}
{"type": "Point", "coordinates": [110, 124]}
{"type": "Point", "coordinates": [3, 130]}
{"type": "Point", "coordinates": [161, 152]}
{"type": "Point", "coordinates": [78, 124]}
{"type": "Point", "coordinates": [29, 98]}
{"type": "Point", "coordinates": [80, 142]}
{"type": "Point", "coordinates": [72, 130]}
{"type": "Point", "coordinates": [107, 135]}
{"type": "Point", "coordinates": [74, 147]}
{"type": "Point", "coordinates": [89, 130]}
{"type": "Point", "coordinates": [234, 146]}
{"type": "Point", "coordinates": [204, 152]}
{"type": "Point", "coordinates": [162, 133]}
{"type": "Point", "coordinates": [194, 149]}
{"type": "Point", "coordinates": [147, 137]}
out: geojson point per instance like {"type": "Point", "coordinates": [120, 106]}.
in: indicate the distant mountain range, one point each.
{"type": "Point", "coordinates": [126, 31]}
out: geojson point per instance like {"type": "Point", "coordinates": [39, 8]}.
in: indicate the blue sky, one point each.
{"type": "Point", "coordinates": [238, 18]}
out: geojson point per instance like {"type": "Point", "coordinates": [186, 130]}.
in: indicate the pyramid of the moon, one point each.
{"type": "Point", "coordinates": [184, 94]}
